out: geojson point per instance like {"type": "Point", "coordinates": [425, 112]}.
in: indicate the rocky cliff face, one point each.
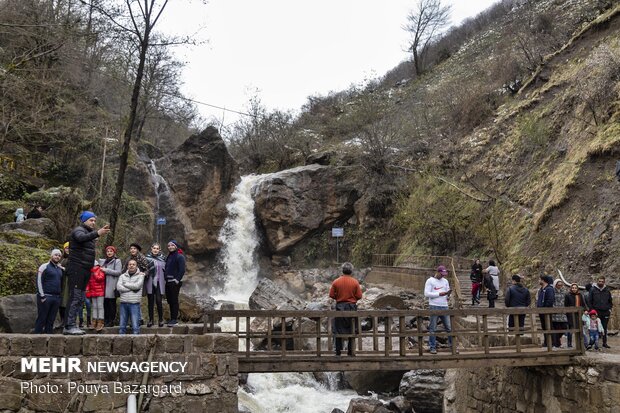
{"type": "Point", "coordinates": [298, 202]}
{"type": "Point", "coordinates": [200, 175]}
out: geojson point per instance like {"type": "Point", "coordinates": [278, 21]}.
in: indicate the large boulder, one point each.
{"type": "Point", "coordinates": [28, 239]}
{"type": "Point", "coordinates": [374, 381]}
{"type": "Point", "coordinates": [18, 313]}
{"type": "Point", "coordinates": [270, 296]}
{"type": "Point", "coordinates": [199, 176]}
{"type": "Point", "coordinates": [295, 203]}
{"type": "Point", "coordinates": [361, 405]}
{"type": "Point", "coordinates": [42, 226]}
{"type": "Point", "coordinates": [18, 268]}
{"type": "Point", "coordinates": [424, 389]}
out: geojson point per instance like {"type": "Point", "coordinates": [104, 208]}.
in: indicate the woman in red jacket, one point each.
{"type": "Point", "coordinates": [96, 293]}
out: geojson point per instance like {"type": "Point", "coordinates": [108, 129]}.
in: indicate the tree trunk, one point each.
{"type": "Point", "coordinates": [120, 181]}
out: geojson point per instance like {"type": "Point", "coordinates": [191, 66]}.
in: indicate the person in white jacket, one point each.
{"type": "Point", "coordinates": [437, 290]}
{"type": "Point", "coordinates": [130, 287]}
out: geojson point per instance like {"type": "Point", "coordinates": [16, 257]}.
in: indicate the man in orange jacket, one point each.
{"type": "Point", "coordinates": [346, 291]}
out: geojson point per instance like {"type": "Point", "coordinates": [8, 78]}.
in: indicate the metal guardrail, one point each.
{"type": "Point", "coordinates": [476, 333]}
{"type": "Point", "coordinates": [428, 263]}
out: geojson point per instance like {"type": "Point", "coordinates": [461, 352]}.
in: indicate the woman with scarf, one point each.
{"type": "Point", "coordinates": [559, 320]}
{"type": "Point", "coordinates": [111, 267]}
{"type": "Point", "coordinates": [155, 284]}
{"type": "Point", "coordinates": [574, 298]}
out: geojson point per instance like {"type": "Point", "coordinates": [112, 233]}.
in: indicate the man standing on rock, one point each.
{"type": "Point", "coordinates": [347, 292]}
{"type": "Point", "coordinates": [437, 290]}
{"type": "Point", "coordinates": [81, 260]}
{"type": "Point", "coordinates": [600, 300]}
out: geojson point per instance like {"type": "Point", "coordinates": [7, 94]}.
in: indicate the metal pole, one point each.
{"type": "Point", "coordinates": [337, 251]}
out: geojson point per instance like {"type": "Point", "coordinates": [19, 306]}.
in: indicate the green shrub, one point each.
{"type": "Point", "coordinates": [18, 268]}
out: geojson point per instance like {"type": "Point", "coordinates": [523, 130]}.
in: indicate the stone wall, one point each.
{"type": "Point", "coordinates": [588, 386]}
{"type": "Point", "coordinates": [208, 383]}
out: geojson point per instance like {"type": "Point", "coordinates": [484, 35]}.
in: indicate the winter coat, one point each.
{"type": "Point", "coordinates": [130, 287]}
{"type": "Point", "coordinates": [155, 275]}
{"type": "Point", "coordinates": [143, 263]}
{"type": "Point", "coordinates": [517, 296]}
{"type": "Point", "coordinates": [49, 279]}
{"type": "Point", "coordinates": [64, 299]}
{"type": "Point", "coordinates": [19, 215]}
{"type": "Point", "coordinates": [82, 248]}
{"type": "Point", "coordinates": [600, 300]}
{"type": "Point", "coordinates": [570, 300]}
{"type": "Point", "coordinates": [112, 269]}
{"type": "Point", "coordinates": [175, 266]}
{"type": "Point", "coordinates": [558, 301]}
{"type": "Point", "coordinates": [546, 297]}
{"type": "Point", "coordinates": [96, 284]}
{"type": "Point", "coordinates": [476, 273]}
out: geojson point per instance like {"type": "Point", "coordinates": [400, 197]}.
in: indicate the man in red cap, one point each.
{"type": "Point", "coordinates": [437, 289]}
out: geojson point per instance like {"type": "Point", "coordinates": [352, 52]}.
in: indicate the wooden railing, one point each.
{"type": "Point", "coordinates": [428, 264]}
{"type": "Point", "coordinates": [278, 336]}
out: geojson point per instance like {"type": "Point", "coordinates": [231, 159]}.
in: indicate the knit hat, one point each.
{"type": "Point", "coordinates": [110, 247]}
{"type": "Point", "coordinates": [55, 251]}
{"type": "Point", "coordinates": [175, 243]}
{"type": "Point", "coordinates": [137, 246]}
{"type": "Point", "coordinates": [65, 245]}
{"type": "Point", "coordinates": [86, 215]}
{"type": "Point", "coordinates": [593, 312]}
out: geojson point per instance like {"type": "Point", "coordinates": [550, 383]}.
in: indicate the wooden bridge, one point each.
{"type": "Point", "coordinates": [289, 341]}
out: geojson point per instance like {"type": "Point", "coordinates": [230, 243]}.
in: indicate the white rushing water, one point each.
{"type": "Point", "coordinates": [266, 392]}
{"type": "Point", "coordinates": [239, 237]}
{"type": "Point", "coordinates": [291, 392]}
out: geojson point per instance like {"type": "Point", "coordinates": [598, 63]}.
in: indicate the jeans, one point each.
{"type": "Point", "coordinates": [153, 299]}
{"type": "Point", "coordinates": [172, 296]}
{"type": "Point", "coordinates": [97, 307]}
{"type": "Point", "coordinates": [46, 313]}
{"type": "Point", "coordinates": [81, 313]}
{"type": "Point", "coordinates": [76, 298]}
{"type": "Point", "coordinates": [511, 321]}
{"type": "Point", "coordinates": [432, 341]}
{"type": "Point", "coordinates": [130, 310]}
{"type": "Point", "coordinates": [475, 291]}
{"type": "Point", "coordinates": [593, 338]}
{"type": "Point", "coordinates": [109, 311]}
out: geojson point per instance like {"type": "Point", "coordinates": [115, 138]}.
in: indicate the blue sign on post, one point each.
{"type": "Point", "coordinates": [337, 232]}
{"type": "Point", "coordinates": [161, 220]}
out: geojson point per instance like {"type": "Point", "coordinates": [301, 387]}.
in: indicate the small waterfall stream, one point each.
{"type": "Point", "coordinates": [161, 190]}
{"type": "Point", "coordinates": [265, 392]}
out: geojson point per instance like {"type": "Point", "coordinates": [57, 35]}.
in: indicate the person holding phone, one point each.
{"type": "Point", "coordinates": [81, 258]}
{"type": "Point", "coordinates": [437, 290]}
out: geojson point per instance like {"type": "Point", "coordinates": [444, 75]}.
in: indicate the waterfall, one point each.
{"type": "Point", "coordinates": [239, 237]}
{"type": "Point", "coordinates": [161, 189]}
{"type": "Point", "coordinates": [265, 392]}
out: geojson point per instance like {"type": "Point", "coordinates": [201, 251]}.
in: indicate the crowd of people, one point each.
{"type": "Point", "coordinates": [35, 212]}
{"type": "Point", "coordinates": [74, 279]}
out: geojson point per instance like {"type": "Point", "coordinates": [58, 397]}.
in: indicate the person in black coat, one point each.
{"type": "Point", "coordinates": [81, 259]}
{"type": "Point", "coordinates": [173, 274]}
{"type": "Point", "coordinates": [545, 299]}
{"type": "Point", "coordinates": [574, 298]}
{"type": "Point", "coordinates": [476, 281]}
{"type": "Point", "coordinates": [517, 296]}
{"type": "Point", "coordinates": [600, 300]}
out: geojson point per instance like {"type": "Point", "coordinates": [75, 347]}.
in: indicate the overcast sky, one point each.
{"type": "Point", "coordinates": [287, 50]}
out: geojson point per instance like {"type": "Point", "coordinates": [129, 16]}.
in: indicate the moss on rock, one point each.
{"type": "Point", "coordinates": [18, 268]}
{"type": "Point", "coordinates": [28, 239]}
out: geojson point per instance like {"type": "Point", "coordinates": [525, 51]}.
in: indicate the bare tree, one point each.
{"type": "Point", "coordinates": [424, 23]}
{"type": "Point", "coordinates": [139, 24]}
